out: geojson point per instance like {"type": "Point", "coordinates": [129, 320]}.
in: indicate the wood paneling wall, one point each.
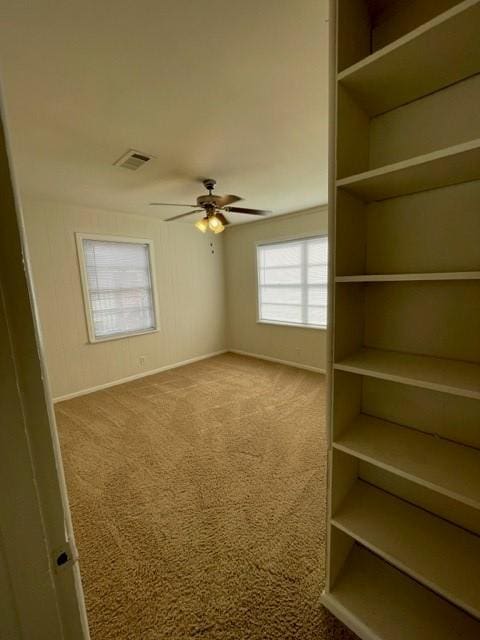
{"type": "Point", "coordinates": [304, 346]}
{"type": "Point", "coordinates": [190, 289]}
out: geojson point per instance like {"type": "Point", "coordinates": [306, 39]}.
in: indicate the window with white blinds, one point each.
{"type": "Point", "coordinates": [292, 282]}
{"type": "Point", "coordinates": [118, 288]}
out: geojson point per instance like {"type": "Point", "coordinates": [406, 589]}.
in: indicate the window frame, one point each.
{"type": "Point", "coordinates": [284, 240]}
{"type": "Point", "coordinates": [79, 238]}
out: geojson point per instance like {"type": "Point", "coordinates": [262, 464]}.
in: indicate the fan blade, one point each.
{"type": "Point", "coordinates": [252, 212]}
{"type": "Point", "coordinates": [222, 218]}
{"type": "Point", "coordinates": [222, 201]}
{"type": "Point", "coordinates": [170, 204]}
{"type": "Point", "coordinates": [183, 215]}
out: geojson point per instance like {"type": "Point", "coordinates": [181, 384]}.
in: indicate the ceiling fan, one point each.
{"type": "Point", "coordinates": [213, 206]}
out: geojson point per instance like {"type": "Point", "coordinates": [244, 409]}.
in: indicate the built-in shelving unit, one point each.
{"type": "Point", "coordinates": [388, 526]}
{"type": "Point", "coordinates": [409, 453]}
{"type": "Point", "coordinates": [378, 601]}
{"type": "Point", "coordinates": [404, 371]}
{"type": "Point", "coordinates": [460, 163]}
{"type": "Point", "coordinates": [413, 66]}
{"type": "Point", "coordinates": [406, 277]}
{"type": "Point", "coordinates": [439, 374]}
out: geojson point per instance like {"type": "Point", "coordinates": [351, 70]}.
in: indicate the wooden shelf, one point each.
{"type": "Point", "coordinates": [435, 55]}
{"type": "Point", "coordinates": [410, 277]}
{"type": "Point", "coordinates": [449, 376]}
{"type": "Point", "coordinates": [409, 453]}
{"type": "Point", "coordinates": [460, 163]}
{"type": "Point", "coordinates": [378, 601]}
{"type": "Point", "coordinates": [441, 556]}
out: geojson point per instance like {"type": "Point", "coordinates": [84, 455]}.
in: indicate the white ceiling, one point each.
{"type": "Point", "coordinates": [232, 89]}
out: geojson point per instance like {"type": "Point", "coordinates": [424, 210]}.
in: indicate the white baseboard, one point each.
{"type": "Point", "coordinates": [136, 376]}
{"type": "Point", "coordinates": [298, 365]}
{"type": "Point", "coordinates": [144, 374]}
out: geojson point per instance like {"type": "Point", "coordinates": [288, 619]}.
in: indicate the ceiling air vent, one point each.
{"type": "Point", "coordinates": [132, 160]}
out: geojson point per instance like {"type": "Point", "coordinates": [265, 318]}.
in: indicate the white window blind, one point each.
{"type": "Point", "coordinates": [292, 281]}
{"type": "Point", "coordinates": [120, 297]}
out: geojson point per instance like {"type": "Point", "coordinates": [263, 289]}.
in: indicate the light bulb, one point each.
{"type": "Point", "coordinates": [202, 225]}
{"type": "Point", "coordinates": [214, 223]}
{"type": "Point", "coordinates": [219, 228]}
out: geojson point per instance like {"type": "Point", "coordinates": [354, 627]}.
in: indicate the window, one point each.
{"type": "Point", "coordinates": [117, 286]}
{"type": "Point", "coordinates": [292, 282]}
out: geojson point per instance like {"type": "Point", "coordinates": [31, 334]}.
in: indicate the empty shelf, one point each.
{"type": "Point", "coordinates": [449, 376]}
{"type": "Point", "coordinates": [433, 551]}
{"type": "Point", "coordinates": [453, 165]}
{"type": "Point", "coordinates": [378, 601]}
{"type": "Point", "coordinates": [435, 55]}
{"type": "Point", "coordinates": [407, 277]}
{"type": "Point", "coordinates": [410, 454]}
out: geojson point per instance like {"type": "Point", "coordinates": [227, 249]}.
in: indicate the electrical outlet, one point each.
{"type": "Point", "coordinates": [141, 360]}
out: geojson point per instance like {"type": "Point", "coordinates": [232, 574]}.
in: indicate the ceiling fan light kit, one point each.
{"type": "Point", "coordinates": [212, 205]}
{"type": "Point", "coordinates": [215, 225]}
{"type": "Point", "coordinates": [202, 225]}
{"type": "Point", "coordinates": [211, 222]}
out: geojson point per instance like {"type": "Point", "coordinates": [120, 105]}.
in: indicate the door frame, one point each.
{"type": "Point", "coordinates": [39, 573]}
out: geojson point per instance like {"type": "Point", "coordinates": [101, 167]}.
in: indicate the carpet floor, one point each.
{"type": "Point", "coordinates": [198, 503]}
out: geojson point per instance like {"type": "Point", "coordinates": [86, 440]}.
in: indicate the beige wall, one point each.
{"type": "Point", "coordinates": [293, 344]}
{"type": "Point", "coordinates": [190, 289]}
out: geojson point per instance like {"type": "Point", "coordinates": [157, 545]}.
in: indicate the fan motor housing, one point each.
{"type": "Point", "coordinates": [202, 201]}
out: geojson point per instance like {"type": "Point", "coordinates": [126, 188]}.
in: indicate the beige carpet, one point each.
{"type": "Point", "coordinates": [198, 498]}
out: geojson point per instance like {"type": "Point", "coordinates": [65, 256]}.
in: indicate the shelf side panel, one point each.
{"type": "Point", "coordinates": [353, 32]}
{"type": "Point", "coordinates": [350, 234]}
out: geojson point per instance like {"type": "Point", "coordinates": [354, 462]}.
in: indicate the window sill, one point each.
{"type": "Point", "coordinates": [121, 336]}
{"type": "Point", "coordinates": [292, 324]}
